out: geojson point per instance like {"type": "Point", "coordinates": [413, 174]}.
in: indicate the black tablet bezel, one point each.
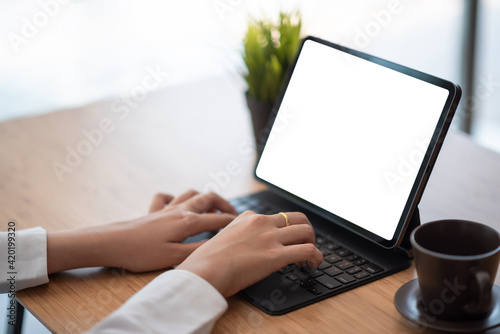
{"type": "Point", "coordinates": [425, 169]}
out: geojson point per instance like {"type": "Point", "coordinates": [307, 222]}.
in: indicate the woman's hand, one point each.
{"type": "Point", "coordinates": [252, 247]}
{"type": "Point", "coordinates": [148, 243]}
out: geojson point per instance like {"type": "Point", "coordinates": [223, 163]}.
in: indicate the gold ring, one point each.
{"type": "Point", "coordinates": [287, 222]}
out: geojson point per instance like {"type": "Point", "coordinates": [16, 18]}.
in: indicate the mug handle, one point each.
{"type": "Point", "coordinates": [483, 282]}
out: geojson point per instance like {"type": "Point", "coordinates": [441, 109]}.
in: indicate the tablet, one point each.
{"type": "Point", "coordinates": [354, 138]}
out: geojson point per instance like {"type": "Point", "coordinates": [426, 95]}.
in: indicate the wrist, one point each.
{"type": "Point", "coordinates": [77, 248]}
{"type": "Point", "coordinates": [215, 277]}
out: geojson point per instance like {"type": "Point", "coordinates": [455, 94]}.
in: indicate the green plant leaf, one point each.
{"type": "Point", "coordinates": [268, 51]}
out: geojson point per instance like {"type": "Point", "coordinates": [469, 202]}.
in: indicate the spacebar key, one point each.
{"type": "Point", "coordinates": [329, 282]}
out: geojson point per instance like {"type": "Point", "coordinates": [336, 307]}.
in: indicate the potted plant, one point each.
{"type": "Point", "coordinates": [269, 49]}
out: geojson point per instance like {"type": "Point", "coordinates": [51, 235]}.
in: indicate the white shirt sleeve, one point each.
{"type": "Point", "coordinates": [177, 301]}
{"type": "Point", "coordinates": [24, 260]}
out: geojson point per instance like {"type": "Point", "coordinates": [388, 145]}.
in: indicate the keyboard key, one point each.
{"type": "Point", "coordinates": [292, 276]}
{"type": "Point", "coordinates": [332, 258]}
{"type": "Point", "coordinates": [311, 272]}
{"type": "Point", "coordinates": [307, 282]}
{"type": "Point", "coordinates": [344, 265]}
{"type": "Point", "coordinates": [299, 272]}
{"type": "Point", "coordinates": [297, 268]}
{"type": "Point", "coordinates": [315, 273]}
{"type": "Point", "coordinates": [328, 282]}
{"type": "Point", "coordinates": [324, 265]}
{"type": "Point", "coordinates": [332, 246]}
{"type": "Point", "coordinates": [345, 278]}
{"type": "Point", "coordinates": [343, 252]}
{"type": "Point", "coordinates": [314, 290]}
{"type": "Point", "coordinates": [325, 251]}
{"type": "Point", "coordinates": [361, 275]}
{"type": "Point", "coordinates": [320, 240]}
{"type": "Point", "coordinates": [371, 268]}
{"type": "Point", "coordinates": [285, 270]}
{"type": "Point", "coordinates": [359, 262]}
{"type": "Point", "coordinates": [352, 257]}
{"type": "Point", "coordinates": [333, 271]}
{"type": "Point", "coordinates": [306, 269]}
{"type": "Point", "coordinates": [353, 270]}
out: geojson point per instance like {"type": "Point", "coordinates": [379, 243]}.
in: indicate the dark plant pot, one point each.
{"type": "Point", "coordinates": [260, 112]}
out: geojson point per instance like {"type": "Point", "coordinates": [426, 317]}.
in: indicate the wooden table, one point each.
{"type": "Point", "coordinates": [180, 138]}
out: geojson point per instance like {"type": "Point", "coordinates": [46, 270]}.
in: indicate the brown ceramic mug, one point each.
{"type": "Point", "coordinates": [456, 262]}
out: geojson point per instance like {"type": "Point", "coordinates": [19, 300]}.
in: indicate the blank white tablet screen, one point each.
{"type": "Point", "coordinates": [350, 136]}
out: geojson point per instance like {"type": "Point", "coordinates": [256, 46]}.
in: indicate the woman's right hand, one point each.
{"type": "Point", "coordinates": [251, 247]}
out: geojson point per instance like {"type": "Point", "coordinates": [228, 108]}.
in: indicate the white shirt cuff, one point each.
{"type": "Point", "coordinates": [29, 267]}
{"type": "Point", "coordinates": [177, 301]}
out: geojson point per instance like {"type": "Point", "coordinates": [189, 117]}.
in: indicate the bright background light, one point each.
{"type": "Point", "coordinates": [97, 50]}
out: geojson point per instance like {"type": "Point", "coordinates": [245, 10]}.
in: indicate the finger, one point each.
{"type": "Point", "coordinates": [296, 234]}
{"type": "Point", "coordinates": [159, 202]}
{"type": "Point", "coordinates": [209, 222]}
{"type": "Point", "coordinates": [209, 202]}
{"type": "Point", "coordinates": [294, 218]}
{"type": "Point", "coordinates": [303, 253]}
{"type": "Point", "coordinates": [184, 197]}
